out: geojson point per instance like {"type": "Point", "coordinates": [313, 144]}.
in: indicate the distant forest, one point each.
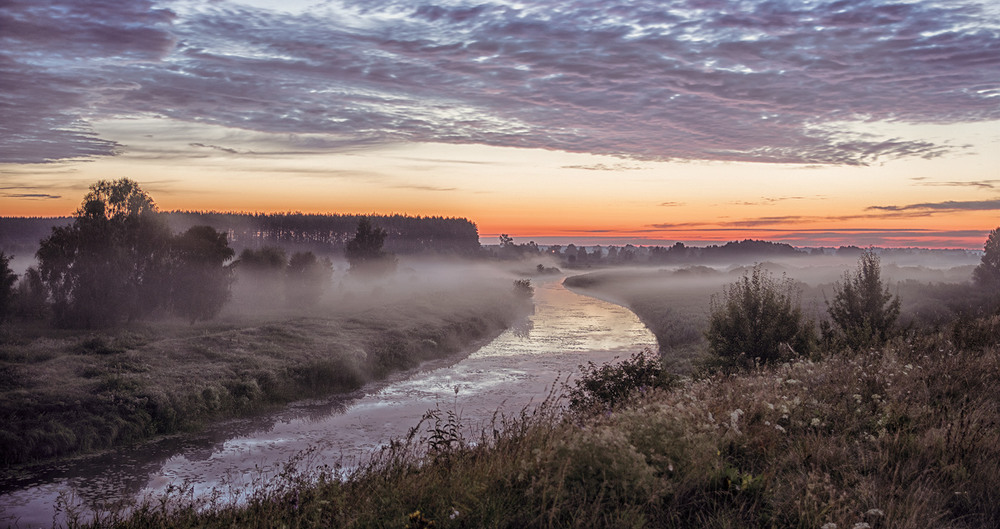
{"type": "Point", "coordinates": [322, 234]}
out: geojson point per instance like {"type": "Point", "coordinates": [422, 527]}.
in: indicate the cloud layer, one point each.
{"type": "Point", "coordinates": [688, 79]}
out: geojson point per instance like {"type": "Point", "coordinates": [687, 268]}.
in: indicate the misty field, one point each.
{"type": "Point", "coordinates": [903, 434]}
{"type": "Point", "coordinates": [66, 392]}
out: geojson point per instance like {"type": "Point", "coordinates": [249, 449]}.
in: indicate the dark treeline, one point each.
{"type": "Point", "coordinates": [746, 251]}
{"type": "Point", "coordinates": [331, 232]}
{"type": "Point", "coordinates": [20, 235]}
{"type": "Point", "coordinates": [323, 234]}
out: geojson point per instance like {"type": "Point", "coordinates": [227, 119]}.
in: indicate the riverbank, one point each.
{"type": "Point", "coordinates": [67, 393]}
{"type": "Point", "coordinates": [672, 304]}
{"type": "Point", "coordinates": [900, 436]}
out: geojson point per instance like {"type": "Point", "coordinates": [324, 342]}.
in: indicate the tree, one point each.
{"type": "Point", "coordinates": [987, 274]}
{"type": "Point", "coordinates": [200, 281]}
{"type": "Point", "coordinates": [305, 278]}
{"type": "Point", "coordinates": [754, 317]}
{"type": "Point", "coordinates": [110, 264]}
{"type": "Point", "coordinates": [261, 275]}
{"type": "Point", "coordinates": [31, 300]}
{"type": "Point", "coordinates": [7, 279]}
{"type": "Point", "coordinates": [364, 252]}
{"type": "Point", "coordinates": [863, 309]}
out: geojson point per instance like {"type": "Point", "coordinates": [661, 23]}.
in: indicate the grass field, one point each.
{"type": "Point", "coordinates": [67, 392]}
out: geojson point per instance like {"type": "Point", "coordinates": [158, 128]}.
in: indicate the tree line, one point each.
{"type": "Point", "coordinates": [119, 261]}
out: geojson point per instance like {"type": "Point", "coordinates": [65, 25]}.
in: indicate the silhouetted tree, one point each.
{"type": "Point", "coordinates": [987, 274]}
{"type": "Point", "coordinates": [261, 275]}
{"type": "Point", "coordinates": [200, 279]}
{"type": "Point", "coordinates": [364, 252]}
{"type": "Point", "coordinates": [266, 260]}
{"type": "Point", "coordinates": [306, 278]}
{"type": "Point", "coordinates": [31, 300]}
{"type": "Point", "coordinates": [7, 279]}
{"type": "Point", "coordinates": [754, 317]}
{"type": "Point", "coordinates": [110, 264]}
{"type": "Point", "coordinates": [863, 309]}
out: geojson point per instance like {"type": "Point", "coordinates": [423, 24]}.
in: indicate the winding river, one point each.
{"type": "Point", "coordinates": [516, 369]}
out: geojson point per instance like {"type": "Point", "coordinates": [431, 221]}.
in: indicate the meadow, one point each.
{"type": "Point", "coordinates": [67, 392]}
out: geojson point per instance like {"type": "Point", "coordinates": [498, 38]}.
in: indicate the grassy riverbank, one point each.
{"type": "Point", "coordinates": [66, 392]}
{"type": "Point", "coordinates": [673, 305]}
{"type": "Point", "coordinates": [901, 436]}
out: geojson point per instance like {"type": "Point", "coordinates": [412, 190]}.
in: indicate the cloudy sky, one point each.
{"type": "Point", "coordinates": [811, 122]}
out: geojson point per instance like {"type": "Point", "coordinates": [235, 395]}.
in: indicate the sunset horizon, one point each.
{"type": "Point", "coordinates": [811, 123]}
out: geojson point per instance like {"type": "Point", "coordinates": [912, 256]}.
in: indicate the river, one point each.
{"type": "Point", "coordinates": [515, 370]}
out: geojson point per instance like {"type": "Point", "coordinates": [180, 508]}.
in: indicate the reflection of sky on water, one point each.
{"type": "Point", "coordinates": [515, 370]}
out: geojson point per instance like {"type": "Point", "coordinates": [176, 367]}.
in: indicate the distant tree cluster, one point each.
{"type": "Point", "coordinates": [300, 280]}
{"type": "Point", "coordinates": [117, 261]}
{"type": "Point", "coordinates": [572, 255]}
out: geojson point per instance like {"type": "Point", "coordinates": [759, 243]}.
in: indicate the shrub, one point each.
{"type": "Point", "coordinates": [754, 317]}
{"type": "Point", "coordinates": [610, 384]}
{"type": "Point", "coordinates": [863, 309]}
{"type": "Point", "coordinates": [523, 288]}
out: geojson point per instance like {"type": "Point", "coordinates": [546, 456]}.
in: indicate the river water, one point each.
{"type": "Point", "coordinates": [515, 370]}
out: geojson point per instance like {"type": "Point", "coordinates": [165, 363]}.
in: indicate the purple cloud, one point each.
{"type": "Point", "coordinates": [742, 81]}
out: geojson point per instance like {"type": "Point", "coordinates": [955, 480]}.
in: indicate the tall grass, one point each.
{"type": "Point", "coordinates": [901, 436]}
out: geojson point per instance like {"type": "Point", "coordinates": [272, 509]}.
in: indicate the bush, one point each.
{"type": "Point", "coordinates": [523, 289]}
{"type": "Point", "coordinates": [862, 308]}
{"type": "Point", "coordinates": [754, 317]}
{"type": "Point", "coordinates": [610, 385]}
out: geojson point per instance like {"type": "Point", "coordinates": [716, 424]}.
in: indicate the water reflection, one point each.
{"type": "Point", "coordinates": [514, 370]}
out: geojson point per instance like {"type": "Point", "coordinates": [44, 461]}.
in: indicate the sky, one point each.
{"type": "Point", "coordinates": [816, 123]}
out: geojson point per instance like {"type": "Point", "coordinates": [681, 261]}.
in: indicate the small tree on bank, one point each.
{"type": "Point", "coordinates": [753, 317]}
{"type": "Point", "coordinates": [863, 310]}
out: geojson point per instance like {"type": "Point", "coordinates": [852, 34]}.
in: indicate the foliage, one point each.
{"type": "Point", "coordinates": [611, 384]}
{"type": "Point", "coordinates": [863, 309]}
{"type": "Point", "coordinates": [110, 264]}
{"type": "Point", "coordinates": [31, 300]}
{"type": "Point", "coordinates": [7, 279]}
{"type": "Point", "coordinates": [987, 274]}
{"type": "Point", "coordinates": [306, 278]}
{"type": "Point", "coordinates": [364, 252]}
{"type": "Point", "coordinates": [200, 280]}
{"type": "Point", "coordinates": [268, 259]}
{"type": "Point", "coordinates": [321, 232]}
{"type": "Point", "coordinates": [523, 289]}
{"type": "Point", "coordinates": [753, 318]}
